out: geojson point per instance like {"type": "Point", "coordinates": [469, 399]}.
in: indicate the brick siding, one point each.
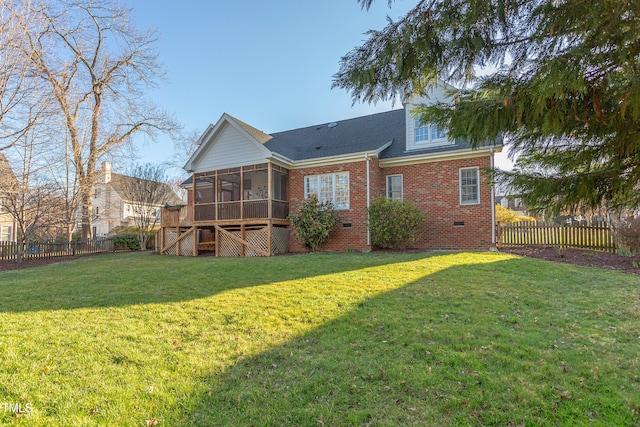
{"type": "Point", "coordinates": [434, 187]}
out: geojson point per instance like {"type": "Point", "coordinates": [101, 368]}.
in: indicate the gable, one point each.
{"type": "Point", "coordinates": [228, 144]}
{"type": "Point", "coordinates": [230, 149]}
{"type": "Point", "coordinates": [434, 95]}
{"type": "Point", "coordinates": [7, 177]}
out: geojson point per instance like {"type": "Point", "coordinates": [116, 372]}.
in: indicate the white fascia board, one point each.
{"type": "Point", "coordinates": [384, 147]}
{"type": "Point", "coordinates": [440, 156]}
{"type": "Point", "coordinates": [336, 160]}
{"type": "Point", "coordinates": [281, 160]}
{"type": "Point", "coordinates": [208, 137]}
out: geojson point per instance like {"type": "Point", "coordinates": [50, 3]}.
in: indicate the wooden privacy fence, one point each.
{"type": "Point", "coordinates": [525, 233]}
{"type": "Point", "coordinates": [17, 252]}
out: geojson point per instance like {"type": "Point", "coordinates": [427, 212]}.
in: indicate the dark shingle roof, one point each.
{"type": "Point", "coordinates": [120, 183]}
{"type": "Point", "coordinates": [259, 136]}
{"type": "Point", "coordinates": [356, 135]}
{"type": "Point", "coordinates": [360, 134]}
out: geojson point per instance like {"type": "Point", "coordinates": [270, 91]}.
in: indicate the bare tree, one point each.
{"type": "Point", "coordinates": [98, 68]}
{"type": "Point", "coordinates": [184, 146]}
{"type": "Point", "coordinates": [146, 192]}
{"type": "Point", "coordinates": [31, 197]}
{"type": "Point", "coordinates": [20, 92]}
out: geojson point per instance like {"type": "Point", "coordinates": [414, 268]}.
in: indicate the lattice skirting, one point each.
{"type": "Point", "coordinates": [186, 245]}
{"type": "Point", "coordinates": [170, 238]}
{"type": "Point", "coordinates": [279, 240]}
{"type": "Point", "coordinates": [258, 238]}
{"type": "Point", "coordinates": [170, 243]}
{"type": "Point", "coordinates": [228, 246]}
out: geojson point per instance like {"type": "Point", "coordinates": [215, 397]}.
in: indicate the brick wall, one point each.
{"type": "Point", "coordinates": [342, 238]}
{"type": "Point", "coordinates": [434, 187]}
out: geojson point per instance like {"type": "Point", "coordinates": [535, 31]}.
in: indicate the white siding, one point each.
{"type": "Point", "coordinates": [435, 94]}
{"type": "Point", "coordinates": [110, 208]}
{"type": "Point", "coordinates": [230, 149]}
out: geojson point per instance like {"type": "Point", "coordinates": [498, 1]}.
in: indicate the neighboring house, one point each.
{"type": "Point", "coordinates": [111, 206]}
{"type": "Point", "coordinates": [246, 181]}
{"type": "Point", "coordinates": [8, 181]}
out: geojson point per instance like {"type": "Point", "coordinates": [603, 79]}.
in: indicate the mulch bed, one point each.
{"type": "Point", "coordinates": [11, 265]}
{"type": "Point", "coordinates": [608, 260]}
{"type": "Point", "coordinates": [14, 265]}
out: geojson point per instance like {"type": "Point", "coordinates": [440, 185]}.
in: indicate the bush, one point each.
{"type": "Point", "coordinates": [627, 236]}
{"type": "Point", "coordinates": [393, 223]}
{"type": "Point", "coordinates": [122, 238]}
{"type": "Point", "coordinates": [313, 222]}
{"type": "Point", "coordinates": [505, 216]}
{"type": "Point", "coordinates": [126, 241]}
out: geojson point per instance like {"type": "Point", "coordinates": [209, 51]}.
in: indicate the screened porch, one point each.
{"type": "Point", "coordinates": [246, 194]}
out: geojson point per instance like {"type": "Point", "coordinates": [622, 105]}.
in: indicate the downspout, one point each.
{"type": "Point", "coordinates": [493, 205]}
{"type": "Point", "coordinates": [366, 157]}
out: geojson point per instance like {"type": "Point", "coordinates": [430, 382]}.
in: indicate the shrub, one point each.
{"type": "Point", "coordinates": [505, 215]}
{"type": "Point", "coordinates": [312, 222]}
{"type": "Point", "coordinates": [126, 241]}
{"type": "Point", "coordinates": [394, 223]}
{"type": "Point", "coordinates": [627, 236]}
{"type": "Point", "coordinates": [122, 238]}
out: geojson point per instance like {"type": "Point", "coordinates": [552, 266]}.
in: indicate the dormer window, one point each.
{"type": "Point", "coordinates": [426, 133]}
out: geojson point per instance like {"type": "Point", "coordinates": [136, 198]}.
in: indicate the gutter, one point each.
{"type": "Point", "coordinates": [368, 160]}
{"type": "Point", "coordinates": [493, 204]}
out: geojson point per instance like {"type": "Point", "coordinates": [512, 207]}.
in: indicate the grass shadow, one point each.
{"type": "Point", "coordinates": [507, 343]}
{"type": "Point", "coordinates": [331, 339]}
{"type": "Point", "coordinates": [141, 278]}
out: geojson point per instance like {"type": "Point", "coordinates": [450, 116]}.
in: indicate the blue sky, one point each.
{"type": "Point", "coordinates": [269, 64]}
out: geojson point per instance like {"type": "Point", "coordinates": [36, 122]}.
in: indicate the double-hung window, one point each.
{"type": "Point", "coordinates": [394, 187]}
{"type": "Point", "coordinates": [469, 186]}
{"type": "Point", "coordinates": [5, 233]}
{"type": "Point", "coordinates": [428, 133]}
{"type": "Point", "coordinates": [330, 187]}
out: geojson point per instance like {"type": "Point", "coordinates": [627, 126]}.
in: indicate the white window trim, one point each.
{"type": "Point", "coordinates": [429, 140]}
{"type": "Point", "coordinates": [477, 201]}
{"type": "Point", "coordinates": [333, 177]}
{"type": "Point", "coordinates": [6, 231]}
{"type": "Point", "coordinates": [401, 185]}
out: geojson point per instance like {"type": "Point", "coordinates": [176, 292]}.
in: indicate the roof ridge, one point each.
{"type": "Point", "coordinates": [259, 135]}
{"type": "Point", "coordinates": [339, 121]}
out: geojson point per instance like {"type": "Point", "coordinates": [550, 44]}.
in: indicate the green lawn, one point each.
{"type": "Point", "coordinates": [319, 340]}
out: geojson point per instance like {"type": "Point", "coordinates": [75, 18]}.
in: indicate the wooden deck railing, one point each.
{"type": "Point", "coordinates": [177, 216]}
{"type": "Point", "coordinates": [598, 237]}
{"type": "Point", "coordinates": [221, 211]}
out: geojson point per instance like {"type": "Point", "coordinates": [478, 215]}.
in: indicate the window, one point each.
{"type": "Point", "coordinates": [394, 187]}
{"type": "Point", "coordinates": [5, 233]}
{"type": "Point", "coordinates": [428, 132]}
{"type": "Point", "coordinates": [469, 186]}
{"type": "Point", "coordinates": [332, 187]}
